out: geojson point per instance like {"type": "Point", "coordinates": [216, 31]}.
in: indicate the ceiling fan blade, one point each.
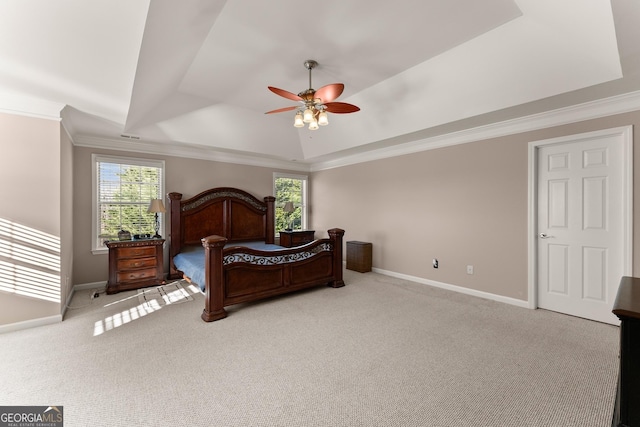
{"type": "Point", "coordinates": [341, 107]}
{"type": "Point", "coordinates": [285, 94]}
{"type": "Point", "coordinates": [329, 92]}
{"type": "Point", "coordinates": [281, 110]}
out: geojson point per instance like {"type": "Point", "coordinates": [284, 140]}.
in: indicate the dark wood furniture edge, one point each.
{"type": "Point", "coordinates": [214, 275]}
{"type": "Point", "coordinates": [175, 233]}
{"type": "Point", "coordinates": [627, 302]}
{"type": "Point", "coordinates": [626, 307]}
{"type": "Point", "coordinates": [337, 235]}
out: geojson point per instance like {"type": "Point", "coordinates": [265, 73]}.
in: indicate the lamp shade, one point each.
{"type": "Point", "coordinates": [323, 119]}
{"type": "Point", "coordinates": [156, 206]}
{"type": "Point", "coordinates": [307, 115]}
{"type": "Point", "coordinates": [288, 207]}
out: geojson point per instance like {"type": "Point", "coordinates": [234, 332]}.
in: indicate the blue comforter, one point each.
{"type": "Point", "coordinates": [191, 260]}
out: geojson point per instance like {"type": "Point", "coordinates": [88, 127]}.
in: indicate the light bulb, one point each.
{"type": "Point", "coordinates": [308, 115]}
{"type": "Point", "coordinates": [323, 118]}
{"type": "Point", "coordinates": [297, 122]}
{"type": "Point", "coordinates": [313, 125]}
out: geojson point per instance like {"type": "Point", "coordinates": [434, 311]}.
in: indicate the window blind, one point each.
{"type": "Point", "coordinates": [124, 189]}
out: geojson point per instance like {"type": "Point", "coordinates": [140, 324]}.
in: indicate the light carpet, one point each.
{"type": "Point", "coordinates": [156, 297]}
{"type": "Point", "coordinates": [378, 352]}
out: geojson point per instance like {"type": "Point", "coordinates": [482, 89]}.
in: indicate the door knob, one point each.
{"type": "Point", "coordinates": [544, 235]}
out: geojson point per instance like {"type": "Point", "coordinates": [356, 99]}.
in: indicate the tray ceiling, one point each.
{"type": "Point", "coordinates": [194, 74]}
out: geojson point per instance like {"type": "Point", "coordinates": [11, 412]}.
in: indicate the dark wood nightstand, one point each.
{"type": "Point", "coordinates": [135, 264]}
{"type": "Point", "coordinates": [289, 239]}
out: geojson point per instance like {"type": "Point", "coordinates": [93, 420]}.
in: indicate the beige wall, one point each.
{"type": "Point", "coordinates": [30, 184]}
{"type": "Point", "coordinates": [465, 204]}
{"type": "Point", "coordinates": [66, 215]}
{"type": "Point", "coordinates": [182, 175]}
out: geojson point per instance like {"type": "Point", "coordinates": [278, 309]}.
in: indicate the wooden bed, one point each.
{"type": "Point", "coordinates": [221, 220]}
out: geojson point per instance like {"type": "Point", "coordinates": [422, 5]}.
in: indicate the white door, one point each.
{"type": "Point", "coordinates": [582, 248]}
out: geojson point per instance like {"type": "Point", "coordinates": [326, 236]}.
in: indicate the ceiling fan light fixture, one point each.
{"type": "Point", "coordinates": [316, 103]}
{"type": "Point", "coordinates": [308, 115]}
{"type": "Point", "coordinates": [323, 118]}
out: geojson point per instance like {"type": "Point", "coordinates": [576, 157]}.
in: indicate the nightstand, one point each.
{"type": "Point", "coordinates": [289, 239]}
{"type": "Point", "coordinates": [135, 264]}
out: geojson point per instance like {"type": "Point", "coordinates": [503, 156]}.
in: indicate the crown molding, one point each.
{"type": "Point", "coordinates": [586, 111]}
{"type": "Point", "coordinates": [619, 104]}
{"type": "Point", "coordinates": [36, 108]}
{"type": "Point", "coordinates": [187, 151]}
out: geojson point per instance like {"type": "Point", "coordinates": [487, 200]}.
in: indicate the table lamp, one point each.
{"type": "Point", "coordinates": [155, 207]}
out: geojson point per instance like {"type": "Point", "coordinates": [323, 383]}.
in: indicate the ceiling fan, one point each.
{"type": "Point", "coordinates": [315, 103]}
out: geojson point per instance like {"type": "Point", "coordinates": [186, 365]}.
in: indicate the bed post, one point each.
{"type": "Point", "coordinates": [336, 234]}
{"type": "Point", "coordinates": [271, 220]}
{"type": "Point", "coordinates": [175, 231]}
{"type": "Point", "coordinates": [214, 278]}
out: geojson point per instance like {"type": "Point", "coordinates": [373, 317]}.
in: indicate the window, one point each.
{"type": "Point", "coordinates": [122, 190]}
{"type": "Point", "coordinates": [290, 188]}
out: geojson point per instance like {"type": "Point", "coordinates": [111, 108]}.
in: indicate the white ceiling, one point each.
{"type": "Point", "coordinates": [193, 75]}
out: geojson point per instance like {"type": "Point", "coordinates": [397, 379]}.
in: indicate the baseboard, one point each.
{"type": "Point", "coordinates": [51, 319]}
{"type": "Point", "coordinates": [27, 324]}
{"type": "Point", "coordinates": [92, 285]}
{"type": "Point", "coordinates": [455, 288]}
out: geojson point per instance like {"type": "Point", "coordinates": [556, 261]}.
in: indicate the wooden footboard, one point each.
{"type": "Point", "coordinates": [238, 274]}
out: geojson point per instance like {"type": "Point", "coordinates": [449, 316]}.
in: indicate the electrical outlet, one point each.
{"type": "Point", "coordinates": [435, 263]}
{"type": "Point", "coordinates": [469, 269]}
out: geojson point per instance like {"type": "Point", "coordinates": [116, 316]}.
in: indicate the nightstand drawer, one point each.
{"type": "Point", "coordinates": [131, 263]}
{"type": "Point", "coordinates": [133, 275]}
{"type": "Point", "coordinates": [136, 252]}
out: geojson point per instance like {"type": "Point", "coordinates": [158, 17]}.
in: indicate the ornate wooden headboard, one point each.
{"type": "Point", "coordinates": [227, 212]}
